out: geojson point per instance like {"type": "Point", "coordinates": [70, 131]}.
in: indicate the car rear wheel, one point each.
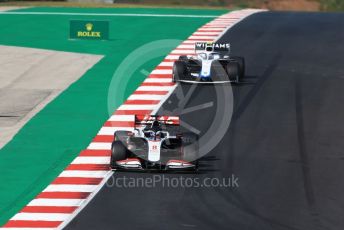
{"type": "Point", "coordinates": [232, 69]}
{"type": "Point", "coordinates": [241, 63]}
{"type": "Point", "coordinates": [121, 135]}
{"type": "Point", "coordinates": [183, 58]}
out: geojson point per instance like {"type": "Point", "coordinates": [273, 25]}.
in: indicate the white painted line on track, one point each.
{"type": "Point", "coordinates": [193, 41]}
{"type": "Point", "coordinates": [203, 37]}
{"type": "Point", "coordinates": [225, 24]}
{"type": "Point", "coordinates": [172, 57]}
{"type": "Point", "coordinates": [139, 107]}
{"type": "Point", "coordinates": [121, 118]}
{"type": "Point", "coordinates": [112, 130]}
{"type": "Point", "coordinates": [41, 216]}
{"type": "Point", "coordinates": [91, 160]}
{"type": "Point", "coordinates": [110, 14]}
{"type": "Point", "coordinates": [211, 29]}
{"type": "Point", "coordinates": [83, 173]}
{"type": "Point", "coordinates": [70, 188]}
{"type": "Point", "coordinates": [166, 64]}
{"type": "Point", "coordinates": [162, 71]}
{"type": "Point", "coordinates": [146, 96]}
{"type": "Point", "coordinates": [99, 146]}
{"type": "Point", "coordinates": [177, 51]}
{"type": "Point", "coordinates": [157, 80]}
{"type": "Point", "coordinates": [55, 202]}
{"type": "Point", "coordinates": [154, 88]}
{"type": "Point", "coordinates": [206, 33]}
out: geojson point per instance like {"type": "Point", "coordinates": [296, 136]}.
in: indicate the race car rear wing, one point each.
{"type": "Point", "coordinates": [148, 119]}
{"type": "Point", "coordinates": [212, 47]}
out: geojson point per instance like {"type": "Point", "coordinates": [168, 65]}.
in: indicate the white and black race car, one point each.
{"type": "Point", "coordinates": [154, 143]}
{"type": "Point", "coordinates": [212, 63]}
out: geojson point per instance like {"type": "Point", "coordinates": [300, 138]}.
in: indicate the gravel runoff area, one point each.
{"type": "Point", "coordinates": [30, 79]}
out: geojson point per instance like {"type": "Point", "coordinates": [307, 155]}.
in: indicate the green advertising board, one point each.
{"type": "Point", "coordinates": [94, 30]}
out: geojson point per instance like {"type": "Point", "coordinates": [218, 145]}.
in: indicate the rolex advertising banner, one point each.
{"type": "Point", "coordinates": [94, 30]}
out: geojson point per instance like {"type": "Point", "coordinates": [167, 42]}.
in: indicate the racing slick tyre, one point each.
{"type": "Point", "coordinates": [190, 147]}
{"type": "Point", "coordinates": [118, 152]}
{"type": "Point", "coordinates": [241, 63]}
{"type": "Point", "coordinates": [179, 71]}
{"type": "Point", "coordinates": [232, 69]}
{"type": "Point", "coordinates": [121, 135]}
{"type": "Point", "coordinates": [183, 58]}
{"type": "Point", "coordinates": [218, 71]}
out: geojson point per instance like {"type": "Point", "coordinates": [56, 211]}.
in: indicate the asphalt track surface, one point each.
{"type": "Point", "coordinates": [284, 143]}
